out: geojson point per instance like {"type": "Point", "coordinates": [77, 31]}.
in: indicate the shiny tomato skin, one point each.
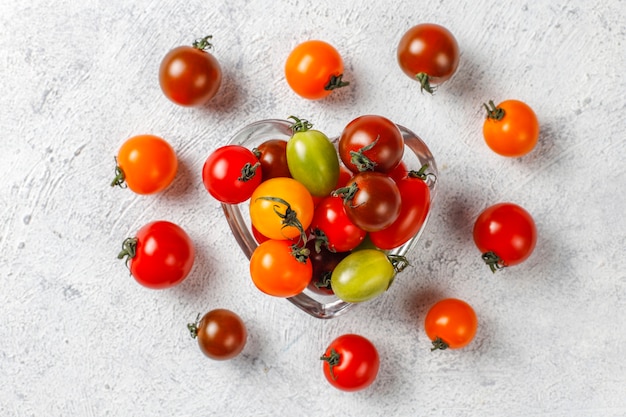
{"type": "Point", "coordinates": [272, 154]}
{"type": "Point", "coordinates": [313, 161]}
{"type": "Point", "coordinates": [331, 219]}
{"type": "Point", "coordinates": [148, 164]}
{"type": "Point", "coordinates": [506, 230]}
{"type": "Point", "coordinates": [164, 255]}
{"type": "Point", "coordinates": [309, 69]}
{"type": "Point", "coordinates": [450, 323]}
{"type": "Point", "coordinates": [190, 76]}
{"type": "Point", "coordinates": [415, 205]}
{"type": "Point", "coordinates": [379, 133]}
{"type": "Point", "coordinates": [275, 271]}
{"type": "Point", "coordinates": [230, 174]}
{"type": "Point", "coordinates": [221, 334]}
{"type": "Point", "coordinates": [362, 276]}
{"type": "Point", "coordinates": [357, 363]}
{"type": "Point", "coordinates": [431, 50]}
{"type": "Point", "coordinates": [513, 134]}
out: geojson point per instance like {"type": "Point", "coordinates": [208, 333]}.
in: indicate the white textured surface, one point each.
{"type": "Point", "coordinates": [80, 338]}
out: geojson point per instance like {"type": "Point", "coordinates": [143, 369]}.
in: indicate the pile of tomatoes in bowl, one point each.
{"type": "Point", "coordinates": [325, 222]}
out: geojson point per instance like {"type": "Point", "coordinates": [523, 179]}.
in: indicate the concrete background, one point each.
{"type": "Point", "coordinates": [79, 337]}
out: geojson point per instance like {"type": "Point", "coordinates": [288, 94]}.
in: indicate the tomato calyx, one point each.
{"type": "Point", "coordinates": [324, 281]}
{"type": "Point", "coordinates": [321, 240]}
{"type": "Point", "coordinates": [333, 360]}
{"type": "Point", "coordinates": [494, 112]}
{"type": "Point", "coordinates": [362, 162]}
{"type": "Point", "coordinates": [300, 253]}
{"type": "Point", "coordinates": [129, 249]}
{"type": "Point", "coordinates": [424, 81]}
{"type": "Point", "coordinates": [120, 177]}
{"type": "Point", "coordinates": [289, 217]}
{"type": "Point", "coordinates": [335, 82]}
{"type": "Point", "coordinates": [248, 171]}
{"type": "Point", "coordinates": [203, 44]}
{"type": "Point", "coordinates": [299, 125]}
{"type": "Point", "coordinates": [494, 262]}
{"type": "Point", "coordinates": [346, 193]}
{"type": "Point", "coordinates": [439, 344]}
{"type": "Point", "coordinates": [399, 262]}
{"type": "Point", "coordinates": [193, 327]}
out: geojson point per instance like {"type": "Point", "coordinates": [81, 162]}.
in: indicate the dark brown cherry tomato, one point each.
{"type": "Point", "coordinates": [221, 334]}
{"type": "Point", "coordinates": [323, 262]}
{"type": "Point", "coordinates": [272, 155]}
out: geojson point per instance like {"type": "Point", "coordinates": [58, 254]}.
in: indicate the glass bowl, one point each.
{"type": "Point", "coordinates": [317, 305]}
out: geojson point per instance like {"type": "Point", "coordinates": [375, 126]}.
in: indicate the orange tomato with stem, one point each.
{"type": "Point", "coordinates": [314, 69]}
{"type": "Point", "coordinates": [146, 164]}
{"type": "Point", "coordinates": [511, 128]}
{"type": "Point", "coordinates": [451, 323]}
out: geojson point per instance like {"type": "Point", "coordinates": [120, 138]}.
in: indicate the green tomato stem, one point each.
{"type": "Point", "coordinates": [203, 44]}
{"type": "Point", "coordinates": [129, 249]}
{"type": "Point", "coordinates": [399, 262]}
{"type": "Point", "coordinates": [289, 218]}
{"type": "Point", "coordinates": [439, 344]}
{"type": "Point", "coordinates": [193, 327]}
{"type": "Point", "coordinates": [362, 162]}
{"type": "Point", "coordinates": [299, 125]}
{"type": "Point", "coordinates": [346, 193]}
{"type": "Point", "coordinates": [424, 81]}
{"type": "Point", "coordinates": [494, 112]}
{"type": "Point", "coordinates": [248, 171]}
{"type": "Point", "coordinates": [494, 261]}
{"type": "Point", "coordinates": [119, 180]}
{"type": "Point", "coordinates": [335, 82]}
{"type": "Point", "coordinates": [333, 360]}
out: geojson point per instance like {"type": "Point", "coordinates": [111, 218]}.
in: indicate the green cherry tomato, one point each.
{"type": "Point", "coordinates": [363, 275]}
{"type": "Point", "coordinates": [312, 159]}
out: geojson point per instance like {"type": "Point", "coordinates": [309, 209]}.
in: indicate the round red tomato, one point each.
{"type": "Point", "coordinates": [272, 154]}
{"type": "Point", "coordinates": [371, 143]}
{"type": "Point", "coordinates": [450, 323]}
{"type": "Point", "coordinates": [511, 128]}
{"type": "Point", "coordinates": [428, 53]}
{"type": "Point", "coordinates": [505, 234]}
{"type": "Point", "coordinates": [314, 69]}
{"type": "Point", "coordinates": [189, 75]}
{"type": "Point", "coordinates": [146, 164]}
{"type": "Point", "coordinates": [332, 226]}
{"type": "Point", "coordinates": [160, 255]}
{"type": "Point", "coordinates": [351, 362]}
{"type": "Point", "coordinates": [230, 174]}
{"type": "Point", "coordinates": [221, 334]}
{"type": "Point", "coordinates": [371, 200]}
{"type": "Point", "coordinates": [415, 197]}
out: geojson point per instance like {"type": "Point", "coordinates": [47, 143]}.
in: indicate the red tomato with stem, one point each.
{"type": "Point", "coordinates": [351, 362]}
{"type": "Point", "coordinates": [230, 174]}
{"type": "Point", "coordinates": [371, 143]}
{"type": "Point", "coordinates": [505, 234]}
{"type": "Point", "coordinates": [314, 69]}
{"type": "Point", "coordinates": [333, 228]}
{"type": "Point", "coordinates": [428, 53]}
{"type": "Point", "coordinates": [160, 255]}
{"type": "Point", "coordinates": [511, 128]}
{"type": "Point", "coordinates": [189, 75]}
{"type": "Point", "coordinates": [450, 323]}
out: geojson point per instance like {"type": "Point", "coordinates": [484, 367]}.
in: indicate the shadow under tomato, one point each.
{"type": "Point", "coordinates": [227, 98]}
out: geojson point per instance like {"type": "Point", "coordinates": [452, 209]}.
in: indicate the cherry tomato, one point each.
{"type": "Point", "coordinates": [451, 323]}
{"type": "Point", "coordinates": [371, 200]}
{"type": "Point", "coordinates": [511, 128]}
{"type": "Point", "coordinates": [428, 53]}
{"type": "Point", "coordinates": [371, 143]}
{"type": "Point", "coordinates": [332, 226]}
{"type": "Point", "coordinates": [281, 208]}
{"type": "Point", "coordinates": [314, 69]}
{"type": "Point", "coordinates": [312, 159]}
{"type": "Point", "coordinates": [272, 154]}
{"type": "Point", "coordinates": [351, 362]}
{"type": "Point", "coordinates": [365, 274]}
{"type": "Point", "coordinates": [146, 164]}
{"type": "Point", "coordinates": [189, 75]}
{"type": "Point", "coordinates": [323, 262]}
{"type": "Point", "coordinates": [505, 234]}
{"type": "Point", "coordinates": [280, 268]}
{"type": "Point", "coordinates": [221, 334]}
{"type": "Point", "coordinates": [415, 197]}
{"type": "Point", "coordinates": [160, 255]}
{"type": "Point", "coordinates": [230, 174]}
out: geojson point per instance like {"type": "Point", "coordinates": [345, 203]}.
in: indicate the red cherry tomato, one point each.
{"type": "Point", "coordinates": [160, 255]}
{"type": "Point", "coordinates": [230, 174]}
{"type": "Point", "coordinates": [189, 75]}
{"type": "Point", "coordinates": [332, 226]}
{"type": "Point", "coordinates": [451, 323]}
{"type": "Point", "coordinates": [505, 234]}
{"type": "Point", "coordinates": [351, 362]}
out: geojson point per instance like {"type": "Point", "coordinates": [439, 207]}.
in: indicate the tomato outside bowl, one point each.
{"type": "Point", "coordinates": [322, 306]}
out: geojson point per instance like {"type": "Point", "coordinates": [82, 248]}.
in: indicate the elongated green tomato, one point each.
{"type": "Point", "coordinates": [312, 159]}
{"type": "Point", "coordinates": [364, 275]}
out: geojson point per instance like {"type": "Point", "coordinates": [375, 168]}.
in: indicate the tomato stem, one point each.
{"type": "Point", "coordinates": [320, 240]}
{"type": "Point", "coordinates": [439, 344]}
{"type": "Point", "coordinates": [346, 193]}
{"type": "Point", "coordinates": [301, 253]}
{"type": "Point", "coordinates": [399, 262]}
{"type": "Point", "coordinates": [324, 281]}
{"type": "Point", "coordinates": [424, 81]}
{"type": "Point", "coordinates": [193, 327]}
{"type": "Point", "coordinates": [289, 218]}
{"type": "Point", "coordinates": [494, 112]}
{"type": "Point", "coordinates": [362, 162]}
{"type": "Point", "coordinates": [494, 261]}
{"type": "Point", "coordinates": [129, 249]}
{"type": "Point", "coordinates": [248, 171]}
{"type": "Point", "coordinates": [120, 178]}
{"type": "Point", "coordinates": [203, 44]}
{"type": "Point", "coordinates": [333, 360]}
{"type": "Point", "coordinates": [335, 82]}
{"type": "Point", "coordinates": [299, 125]}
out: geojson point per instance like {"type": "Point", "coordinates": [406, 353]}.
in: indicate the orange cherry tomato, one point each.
{"type": "Point", "coordinates": [281, 208]}
{"type": "Point", "coordinates": [146, 164]}
{"type": "Point", "coordinates": [314, 69]}
{"type": "Point", "coordinates": [511, 128]}
{"type": "Point", "coordinates": [280, 268]}
{"type": "Point", "coordinates": [451, 323]}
